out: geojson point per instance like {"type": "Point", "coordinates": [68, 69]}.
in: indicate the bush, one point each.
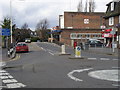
{"type": "Point", "coordinates": [34, 39]}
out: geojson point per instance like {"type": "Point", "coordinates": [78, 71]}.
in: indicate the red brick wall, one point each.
{"type": "Point", "coordinates": [76, 19]}
{"type": "Point", "coordinates": [65, 35]}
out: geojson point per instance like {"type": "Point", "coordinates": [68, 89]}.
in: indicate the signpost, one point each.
{"type": "Point", "coordinates": [78, 52]}
{"type": "Point", "coordinates": [113, 44]}
{"type": "Point", "coordinates": [5, 32]}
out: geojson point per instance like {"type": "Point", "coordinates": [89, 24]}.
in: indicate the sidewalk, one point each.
{"type": "Point", "coordinates": [4, 55]}
{"type": "Point", "coordinates": [108, 51]}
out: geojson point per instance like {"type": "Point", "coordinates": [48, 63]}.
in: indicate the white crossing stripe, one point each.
{"type": "Point", "coordinates": [6, 77]}
{"type": "Point", "coordinates": [2, 71]}
{"type": "Point", "coordinates": [1, 74]}
{"type": "Point", "coordinates": [10, 81]}
{"type": "Point", "coordinates": [104, 59]}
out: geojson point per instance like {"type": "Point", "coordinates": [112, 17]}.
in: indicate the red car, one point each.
{"type": "Point", "coordinates": [22, 47]}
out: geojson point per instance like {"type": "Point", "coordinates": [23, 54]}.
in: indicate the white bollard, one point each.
{"type": "Point", "coordinates": [63, 49]}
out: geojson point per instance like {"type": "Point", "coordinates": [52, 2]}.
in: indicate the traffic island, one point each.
{"type": "Point", "coordinates": [77, 53]}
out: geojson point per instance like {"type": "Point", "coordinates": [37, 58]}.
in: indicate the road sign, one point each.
{"type": "Point", "coordinates": [5, 32]}
{"type": "Point", "coordinates": [78, 51]}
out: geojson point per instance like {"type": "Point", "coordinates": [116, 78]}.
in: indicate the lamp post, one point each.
{"type": "Point", "coordinates": [11, 20]}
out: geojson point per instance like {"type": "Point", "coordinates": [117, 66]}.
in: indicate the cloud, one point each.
{"type": "Point", "coordinates": [31, 11]}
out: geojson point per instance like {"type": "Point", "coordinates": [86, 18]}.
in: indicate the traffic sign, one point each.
{"type": "Point", "coordinates": [78, 51]}
{"type": "Point", "coordinates": [5, 32]}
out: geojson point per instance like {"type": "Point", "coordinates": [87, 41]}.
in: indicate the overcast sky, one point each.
{"type": "Point", "coordinates": [31, 11]}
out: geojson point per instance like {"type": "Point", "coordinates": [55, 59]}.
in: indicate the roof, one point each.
{"type": "Point", "coordinates": [116, 11]}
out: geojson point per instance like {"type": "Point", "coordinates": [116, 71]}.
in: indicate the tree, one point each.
{"type": "Point", "coordinates": [42, 24]}
{"type": "Point", "coordinates": [91, 6]}
{"type": "Point", "coordinates": [24, 26]}
{"type": "Point", "coordinates": [5, 24]}
{"type": "Point", "coordinates": [41, 28]}
{"type": "Point", "coordinates": [86, 6]}
{"type": "Point", "coordinates": [80, 6]}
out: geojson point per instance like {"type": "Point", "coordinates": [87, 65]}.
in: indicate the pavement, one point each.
{"type": "Point", "coordinates": [107, 51]}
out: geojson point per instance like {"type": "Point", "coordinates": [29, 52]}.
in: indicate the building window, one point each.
{"type": "Point", "coordinates": [111, 21]}
{"type": "Point", "coordinates": [119, 18]}
{"type": "Point", "coordinates": [86, 21]}
{"type": "Point", "coordinates": [112, 6]}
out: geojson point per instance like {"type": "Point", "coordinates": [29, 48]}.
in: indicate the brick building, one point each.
{"type": "Point", "coordinates": [80, 26]}
{"type": "Point", "coordinates": [112, 21]}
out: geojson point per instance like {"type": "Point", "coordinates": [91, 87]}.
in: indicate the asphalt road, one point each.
{"type": "Point", "coordinates": [44, 67]}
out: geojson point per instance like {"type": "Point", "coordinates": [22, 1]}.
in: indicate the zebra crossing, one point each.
{"type": "Point", "coordinates": [9, 81]}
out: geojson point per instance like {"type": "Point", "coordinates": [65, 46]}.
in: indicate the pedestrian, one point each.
{"type": "Point", "coordinates": [75, 44]}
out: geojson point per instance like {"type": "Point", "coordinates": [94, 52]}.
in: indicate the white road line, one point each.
{"type": "Point", "coordinates": [51, 53]}
{"type": "Point", "coordinates": [6, 77]}
{"type": "Point", "coordinates": [15, 85]}
{"type": "Point", "coordinates": [70, 75]}
{"type": "Point", "coordinates": [116, 85]}
{"type": "Point", "coordinates": [104, 59]}
{"type": "Point", "coordinates": [2, 71]}
{"type": "Point", "coordinates": [10, 81]}
{"type": "Point", "coordinates": [115, 59]}
{"type": "Point", "coordinates": [92, 58]}
{"type": "Point", "coordinates": [4, 74]}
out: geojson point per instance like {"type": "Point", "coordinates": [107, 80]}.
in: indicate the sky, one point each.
{"type": "Point", "coordinates": [32, 11]}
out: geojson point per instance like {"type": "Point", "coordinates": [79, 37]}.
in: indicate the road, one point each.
{"type": "Point", "coordinates": [44, 67]}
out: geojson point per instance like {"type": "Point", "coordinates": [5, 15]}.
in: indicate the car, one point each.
{"type": "Point", "coordinates": [22, 47]}
{"type": "Point", "coordinates": [28, 40]}
{"type": "Point", "coordinates": [95, 43]}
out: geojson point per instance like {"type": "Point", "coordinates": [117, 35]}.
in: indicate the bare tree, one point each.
{"type": "Point", "coordinates": [41, 28]}
{"type": "Point", "coordinates": [24, 26]}
{"type": "Point", "coordinates": [42, 24]}
{"type": "Point", "coordinates": [91, 6]}
{"type": "Point", "coordinates": [86, 6]}
{"type": "Point", "coordinates": [80, 6]}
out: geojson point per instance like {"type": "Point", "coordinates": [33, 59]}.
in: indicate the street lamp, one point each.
{"type": "Point", "coordinates": [11, 19]}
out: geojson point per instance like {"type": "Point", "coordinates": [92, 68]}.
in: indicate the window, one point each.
{"type": "Point", "coordinates": [86, 21]}
{"type": "Point", "coordinates": [119, 18]}
{"type": "Point", "coordinates": [111, 21]}
{"type": "Point", "coordinates": [112, 6]}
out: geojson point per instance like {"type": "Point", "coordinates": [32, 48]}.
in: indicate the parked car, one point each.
{"type": "Point", "coordinates": [22, 47]}
{"type": "Point", "coordinates": [95, 43]}
{"type": "Point", "coordinates": [28, 40]}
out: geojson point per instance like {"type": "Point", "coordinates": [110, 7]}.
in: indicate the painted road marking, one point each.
{"type": "Point", "coordinates": [6, 77]}
{"type": "Point", "coordinates": [15, 85]}
{"type": "Point", "coordinates": [70, 75]}
{"type": "Point", "coordinates": [92, 58]}
{"type": "Point", "coordinates": [116, 85]}
{"type": "Point", "coordinates": [51, 53]}
{"type": "Point", "coordinates": [2, 71]}
{"type": "Point", "coordinates": [110, 75]}
{"type": "Point", "coordinates": [115, 59]}
{"type": "Point", "coordinates": [1, 74]}
{"type": "Point", "coordinates": [10, 81]}
{"type": "Point", "coordinates": [104, 59]}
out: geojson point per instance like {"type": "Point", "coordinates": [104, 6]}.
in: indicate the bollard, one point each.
{"type": "Point", "coordinates": [63, 49]}
{"type": "Point", "coordinates": [78, 52]}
